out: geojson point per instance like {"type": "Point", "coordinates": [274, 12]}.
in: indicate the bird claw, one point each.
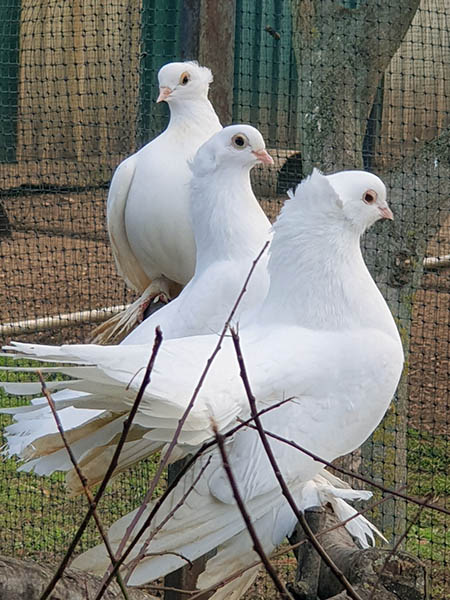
{"type": "Point", "coordinates": [150, 305]}
{"type": "Point", "coordinates": [161, 297]}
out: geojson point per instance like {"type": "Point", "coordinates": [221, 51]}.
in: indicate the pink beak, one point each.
{"type": "Point", "coordinates": [263, 156]}
{"type": "Point", "coordinates": [164, 93]}
{"type": "Point", "coordinates": [386, 213]}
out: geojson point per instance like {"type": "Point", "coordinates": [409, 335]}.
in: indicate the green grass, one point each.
{"type": "Point", "coordinates": [38, 519]}
{"type": "Point", "coordinates": [429, 536]}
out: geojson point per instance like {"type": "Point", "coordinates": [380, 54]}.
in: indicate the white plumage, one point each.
{"type": "Point", "coordinates": [147, 209]}
{"type": "Point", "coordinates": [324, 335]}
{"type": "Point", "coordinates": [230, 229]}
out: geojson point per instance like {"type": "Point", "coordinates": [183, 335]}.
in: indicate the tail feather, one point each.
{"type": "Point", "coordinates": [237, 587]}
{"type": "Point", "coordinates": [359, 527]}
{"type": "Point", "coordinates": [95, 463]}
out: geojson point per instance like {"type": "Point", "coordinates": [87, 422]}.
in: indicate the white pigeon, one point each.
{"type": "Point", "coordinates": [230, 228]}
{"type": "Point", "coordinates": [324, 336]}
{"type": "Point", "coordinates": [147, 209]}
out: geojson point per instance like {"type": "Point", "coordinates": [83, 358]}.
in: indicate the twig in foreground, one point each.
{"type": "Point", "coordinates": [167, 518]}
{"type": "Point", "coordinates": [181, 422]}
{"type": "Point", "coordinates": [379, 486]}
{"type": "Point", "coordinates": [83, 480]}
{"type": "Point", "coordinates": [248, 523]}
{"type": "Point", "coordinates": [285, 549]}
{"type": "Point", "coordinates": [395, 547]}
{"type": "Point", "coordinates": [109, 472]}
{"type": "Point", "coordinates": [285, 490]}
{"type": "Point", "coordinates": [160, 501]}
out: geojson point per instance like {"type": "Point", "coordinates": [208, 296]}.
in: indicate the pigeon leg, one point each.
{"type": "Point", "coordinates": [156, 295]}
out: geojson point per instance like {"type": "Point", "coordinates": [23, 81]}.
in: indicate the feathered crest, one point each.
{"type": "Point", "coordinates": [314, 194]}
{"type": "Point", "coordinates": [175, 69]}
{"type": "Point", "coordinates": [204, 72]}
{"type": "Point", "coordinates": [204, 161]}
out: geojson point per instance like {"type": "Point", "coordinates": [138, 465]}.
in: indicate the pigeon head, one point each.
{"type": "Point", "coordinates": [236, 146]}
{"type": "Point", "coordinates": [183, 81]}
{"type": "Point", "coordinates": [362, 197]}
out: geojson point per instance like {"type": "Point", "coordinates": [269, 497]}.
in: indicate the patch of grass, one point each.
{"type": "Point", "coordinates": [38, 518]}
{"type": "Point", "coordinates": [428, 464]}
{"type": "Point", "coordinates": [429, 537]}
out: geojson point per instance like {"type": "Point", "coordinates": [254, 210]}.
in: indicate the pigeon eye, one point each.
{"type": "Point", "coordinates": [239, 141]}
{"type": "Point", "coordinates": [185, 78]}
{"type": "Point", "coordinates": [369, 197]}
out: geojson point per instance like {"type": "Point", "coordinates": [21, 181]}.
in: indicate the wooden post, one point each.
{"type": "Point", "coordinates": [216, 50]}
{"type": "Point", "coordinates": [186, 577]}
{"type": "Point", "coordinates": [207, 34]}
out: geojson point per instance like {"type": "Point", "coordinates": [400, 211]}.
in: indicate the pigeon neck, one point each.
{"type": "Point", "coordinates": [318, 279]}
{"type": "Point", "coordinates": [226, 217]}
{"type": "Point", "coordinates": [193, 117]}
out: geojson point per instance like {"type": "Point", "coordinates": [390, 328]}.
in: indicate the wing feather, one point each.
{"type": "Point", "coordinates": [127, 263]}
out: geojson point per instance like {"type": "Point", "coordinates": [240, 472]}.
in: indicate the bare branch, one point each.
{"type": "Point", "coordinates": [109, 472]}
{"type": "Point", "coordinates": [160, 501]}
{"type": "Point", "coordinates": [167, 518]}
{"type": "Point", "coordinates": [83, 480]}
{"type": "Point", "coordinates": [176, 435]}
{"type": "Point", "coordinates": [248, 523]}
{"type": "Point", "coordinates": [286, 493]}
{"type": "Point", "coordinates": [396, 493]}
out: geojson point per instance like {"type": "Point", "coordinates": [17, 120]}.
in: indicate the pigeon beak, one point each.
{"type": "Point", "coordinates": [164, 93]}
{"type": "Point", "coordinates": [386, 212]}
{"type": "Point", "coordinates": [263, 156]}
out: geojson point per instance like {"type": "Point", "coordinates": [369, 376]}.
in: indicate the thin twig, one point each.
{"type": "Point", "coordinates": [279, 553]}
{"type": "Point", "coordinates": [285, 490]}
{"type": "Point", "coordinates": [112, 466]}
{"type": "Point", "coordinates": [84, 483]}
{"type": "Point", "coordinates": [284, 550]}
{"type": "Point", "coordinates": [167, 518]}
{"type": "Point", "coordinates": [358, 514]}
{"type": "Point", "coordinates": [246, 517]}
{"type": "Point", "coordinates": [165, 459]}
{"type": "Point", "coordinates": [395, 547]}
{"type": "Point", "coordinates": [160, 501]}
{"type": "Point", "coordinates": [379, 486]}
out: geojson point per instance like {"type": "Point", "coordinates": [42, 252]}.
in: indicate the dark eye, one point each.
{"type": "Point", "coordinates": [369, 197]}
{"type": "Point", "coordinates": [239, 141]}
{"type": "Point", "coordinates": [185, 78]}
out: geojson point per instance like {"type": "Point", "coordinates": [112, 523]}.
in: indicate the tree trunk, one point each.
{"type": "Point", "coordinates": [341, 56]}
{"type": "Point", "coordinates": [26, 580]}
{"type": "Point", "coordinates": [403, 577]}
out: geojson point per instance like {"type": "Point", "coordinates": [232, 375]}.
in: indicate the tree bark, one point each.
{"type": "Point", "coordinates": [419, 189]}
{"type": "Point", "coordinates": [341, 56]}
{"type": "Point", "coordinates": [403, 577]}
{"type": "Point", "coordinates": [26, 580]}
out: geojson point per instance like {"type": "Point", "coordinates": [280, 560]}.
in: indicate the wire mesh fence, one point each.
{"type": "Point", "coordinates": [77, 91]}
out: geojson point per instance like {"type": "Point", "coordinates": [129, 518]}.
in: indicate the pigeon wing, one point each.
{"type": "Point", "coordinates": [127, 263]}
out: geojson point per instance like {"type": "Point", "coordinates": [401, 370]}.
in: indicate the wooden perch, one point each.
{"type": "Point", "coordinates": [26, 580]}
{"type": "Point", "coordinates": [402, 578]}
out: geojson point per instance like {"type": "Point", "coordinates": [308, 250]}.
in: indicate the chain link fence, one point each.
{"type": "Point", "coordinates": [77, 90]}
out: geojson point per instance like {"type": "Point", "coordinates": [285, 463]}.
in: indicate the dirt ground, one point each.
{"type": "Point", "coordinates": [57, 260]}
